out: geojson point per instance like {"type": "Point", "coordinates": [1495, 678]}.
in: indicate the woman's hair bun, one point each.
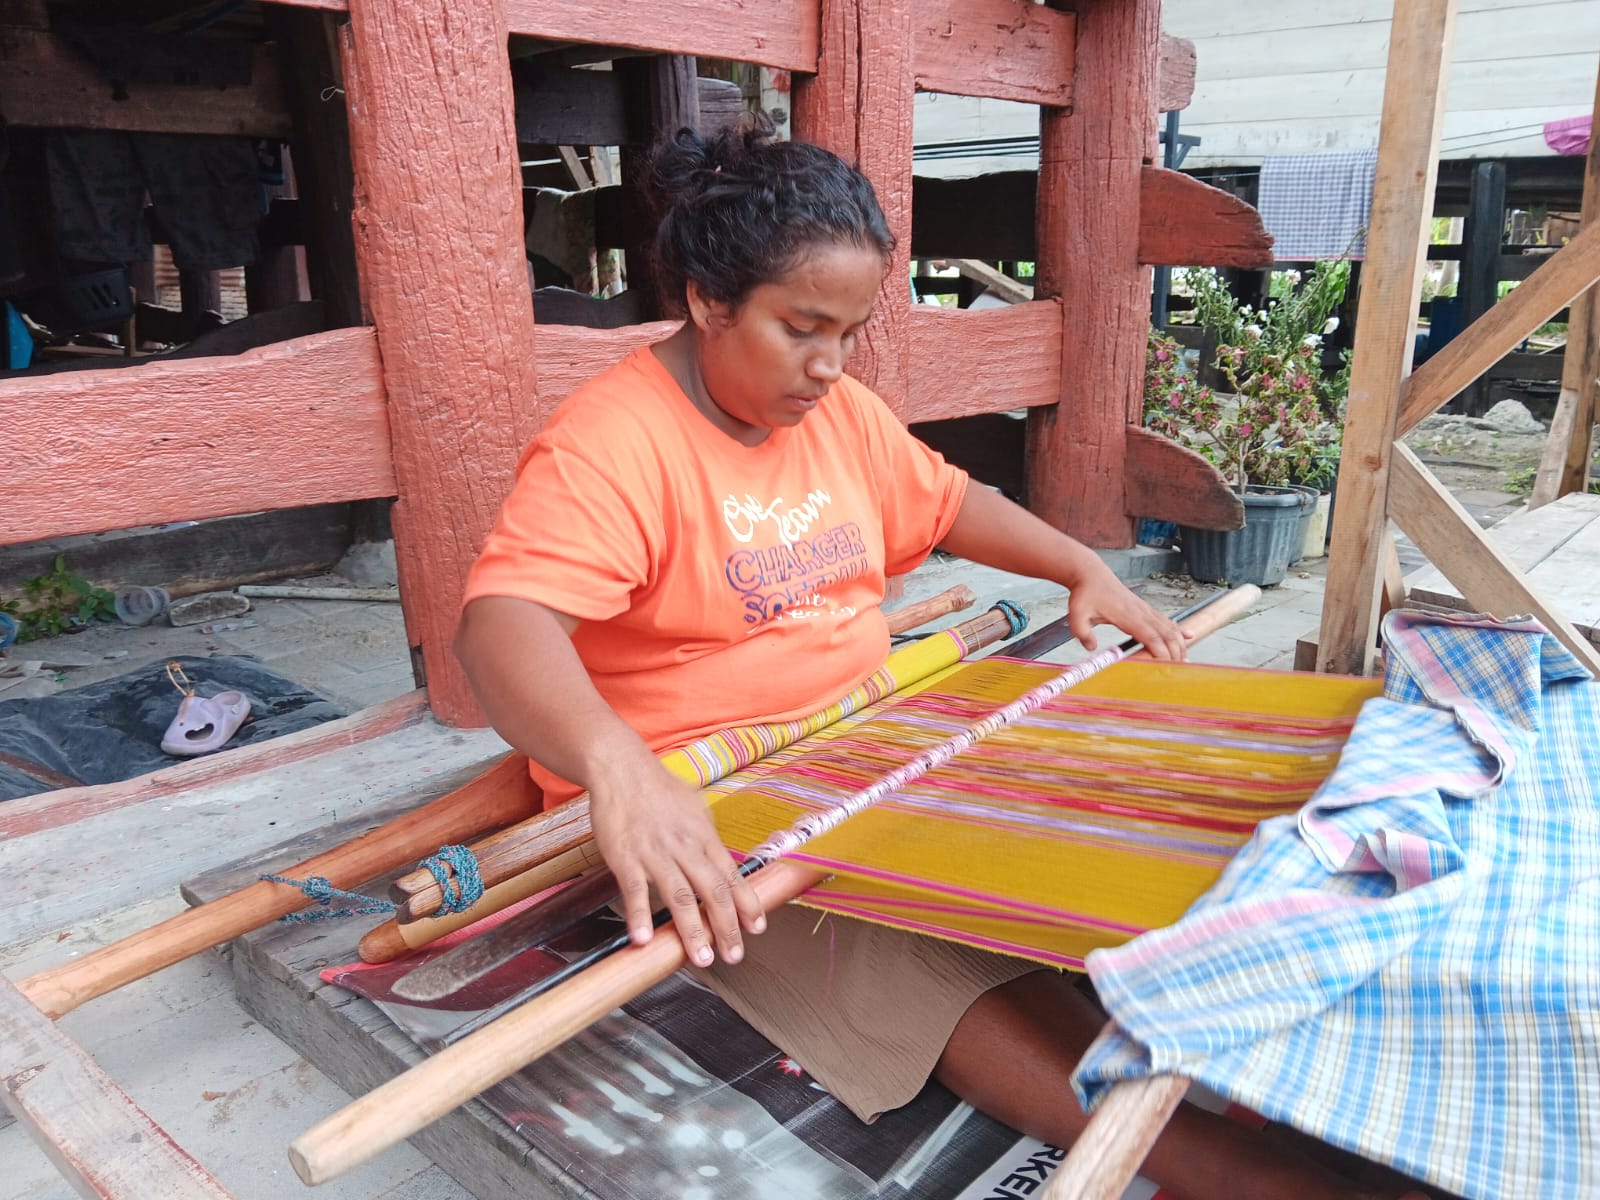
{"type": "Point", "coordinates": [739, 207]}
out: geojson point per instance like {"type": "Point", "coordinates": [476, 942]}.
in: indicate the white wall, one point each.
{"type": "Point", "coordinates": [1306, 77]}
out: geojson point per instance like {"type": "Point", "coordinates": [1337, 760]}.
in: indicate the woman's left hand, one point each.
{"type": "Point", "coordinates": [1100, 598]}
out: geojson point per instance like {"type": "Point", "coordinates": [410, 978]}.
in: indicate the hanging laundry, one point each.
{"type": "Point", "coordinates": [1318, 205]}
{"type": "Point", "coordinates": [205, 192]}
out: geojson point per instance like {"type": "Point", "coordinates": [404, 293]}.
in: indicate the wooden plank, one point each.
{"type": "Point", "coordinates": [1569, 272]}
{"type": "Point", "coordinates": [1526, 539]}
{"type": "Point", "coordinates": [1570, 580]}
{"type": "Point", "coordinates": [565, 106]}
{"type": "Point", "coordinates": [66, 806]}
{"type": "Point", "coordinates": [963, 362]}
{"type": "Point", "coordinates": [773, 33]}
{"type": "Point", "coordinates": [103, 1143]}
{"type": "Point", "coordinates": [1186, 223]}
{"type": "Point", "coordinates": [859, 106]}
{"type": "Point", "coordinates": [1169, 482]}
{"type": "Point", "coordinates": [439, 241]}
{"type": "Point", "coordinates": [1090, 166]}
{"type": "Point", "coordinates": [1105, 1158]}
{"type": "Point", "coordinates": [1175, 74]}
{"type": "Point", "coordinates": [997, 49]}
{"type": "Point", "coordinates": [1010, 290]}
{"type": "Point", "coordinates": [45, 83]}
{"type": "Point", "coordinates": [188, 558]}
{"type": "Point", "coordinates": [1564, 464]}
{"type": "Point", "coordinates": [277, 978]}
{"type": "Point", "coordinates": [1444, 531]}
{"type": "Point", "coordinates": [1402, 203]}
{"type": "Point", "coordinates": [942, 224]}
{"type": "Point", "coordinates": [302, 422]}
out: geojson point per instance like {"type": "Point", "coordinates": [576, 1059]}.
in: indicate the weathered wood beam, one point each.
{"type": "Point", "coordinates": [1090, 165]}
{"type": "Point", "coordinates": [859, 105]}
{"type": "Point", "coordinates": [963, 363]}
{"type": "Point", "coordinates": [301, 422]}
{"type": "Point", "coordinates": [439, 214]}
{"type": "Point", "coordinates": [661, 95]}
{"type": "Point", "coordinates": [565, 106]}
{"type": "Point", "coordinates": [1175, 74]}
{"type": "Point", "coordinates": [1564, 465]}
{"type": "Point", "coordinates": [994, 48]}
{"type": "Point", "coordinates": [1402, 203]}
{"type": "Point", "coordinates": [1107, 1155]}
{"type": "Point", "coordinates": [1570, 271]}
{"type": "Point", "coordinates": [1008, 289]}
{"type": "Point", "coordinates": [1454, 543]}
{"type": "Point", "coordinates": [1168, 482]}
{"type": "Point", "coordinates": [103, 1143]}
{"type": "Point", "coordinates": [45, 83]}
{"type": "Point", "coordinates": [1186, 223]}
{"type": "Point", "coordinates": [773, 33]}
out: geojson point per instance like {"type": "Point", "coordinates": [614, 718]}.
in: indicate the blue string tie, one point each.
{"type": "Point", "coordinates": [323, 893]}
{"type": "Point", "coordinates": [455, 870]}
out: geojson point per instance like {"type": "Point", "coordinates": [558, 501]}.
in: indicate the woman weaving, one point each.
{"type": "Point", "coordinates": [699, 539]}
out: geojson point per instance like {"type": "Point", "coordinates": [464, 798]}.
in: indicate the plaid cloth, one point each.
{"type": "Point", "coordinates": [1410, 967]}
{"type": "Point", "coordinates": [1317, 205]}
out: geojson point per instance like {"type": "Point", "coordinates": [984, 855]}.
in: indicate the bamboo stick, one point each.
{"type": "Point", "coordinates": [421, 1095]}
{"type": "Point", "coordinates": [1104, 1160]}
{"type": "Point", "coordinates": [391, 940]}
{"type": "Point", "coordinates": [501, 794]}
{"type": "Point", "coordinates": [910, 616]}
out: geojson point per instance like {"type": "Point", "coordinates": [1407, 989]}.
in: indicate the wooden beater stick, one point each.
{"type": "Point", "coordinates": [501, 794]}
{"type": "Point", "coordinates": [397, 1109]}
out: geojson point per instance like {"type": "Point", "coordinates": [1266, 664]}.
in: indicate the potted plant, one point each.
{"type": "Point", "coordinates": [1271, 426]}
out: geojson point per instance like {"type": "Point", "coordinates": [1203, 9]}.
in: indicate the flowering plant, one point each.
{"type": "Point", "coordinates": [1271, 430]}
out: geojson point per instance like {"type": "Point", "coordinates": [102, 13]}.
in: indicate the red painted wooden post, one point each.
{"type": "Point", "coordinates": [859, 105]}
{"type": "Point", "coordinates": [438, 220]}
{"type": "Point", "coordinates": [1090, 161]}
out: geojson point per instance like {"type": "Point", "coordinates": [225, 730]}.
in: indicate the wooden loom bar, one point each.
{"type": "Point", "coordinates": [1564, 465]}
{"type": "Point", "coordinates": [1568, 273]}
{"type": "Point", "coordinates": [300, 422]}
{"type": "Point", "coordinates": [859, 106]}
{"type": "Point", "coordinates": [103, 1143]}
{"type": "Point", "coordinates": [439, 225]}
{"type": "Point", "coordinates": [406, 1103]}
{"type": "Point", "coordinates": [1091, 161]}
{"type": "Point", "coordinates": [1422, 33]}
{"type": "Point", "coordinates": [495, 798]}
{"type": "Point", "coordinates": [1106, 1157]}
{"type": "Point", "coordinates": [1453, 542]}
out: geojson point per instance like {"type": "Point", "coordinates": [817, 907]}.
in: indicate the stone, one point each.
{"type": "Point", "coordinates": [369, 564]}
{"type": "Point", "coordinates": [1512, 416]}
{"type": "Point", "coordinates": [212, 606]}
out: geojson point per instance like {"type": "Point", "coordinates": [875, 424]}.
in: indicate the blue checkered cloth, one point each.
{"type": "Point", "coordinates": [1409, 967]}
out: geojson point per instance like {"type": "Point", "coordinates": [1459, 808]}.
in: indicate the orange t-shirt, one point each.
{"type": "Point", "coordinates": [717, 584]}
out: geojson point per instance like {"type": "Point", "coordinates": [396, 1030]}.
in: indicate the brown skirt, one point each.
{"type": "Point", "coordinates": [865, 1009]}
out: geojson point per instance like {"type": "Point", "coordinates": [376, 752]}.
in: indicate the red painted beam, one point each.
{"type": "Point", "coordinates": [299, 422]}
{"type": "Point", "coordinates": [989, 361]}
{"type": "Point", "coordinates": [1090, 164]}
{"type": "Point", "coordinates": [1170, 482]}
{"type": "Point", "coordinates": [1186, 223]}
{"type": "Point", "coordinates": [439, 226]}
{"type": "Point", "coordinates": [994, 48]}
{"type": "Point", "coordinates": [859, 106]}
{"type": "Point", "coordinates": [774, 33]}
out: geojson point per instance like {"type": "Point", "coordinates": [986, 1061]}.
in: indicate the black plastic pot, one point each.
{"type": "Point", "coordinates": [1261, 551]}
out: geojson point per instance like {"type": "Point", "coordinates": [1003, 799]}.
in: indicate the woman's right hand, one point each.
{"type": "Point", "coordinates": [654, 831]}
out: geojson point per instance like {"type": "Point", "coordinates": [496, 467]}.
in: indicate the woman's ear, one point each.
{"type": "Point", "coordinates": [706, 313]}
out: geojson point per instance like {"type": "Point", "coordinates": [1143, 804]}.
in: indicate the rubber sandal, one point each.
{"type": "Point", "coordinates": [205, 723]}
